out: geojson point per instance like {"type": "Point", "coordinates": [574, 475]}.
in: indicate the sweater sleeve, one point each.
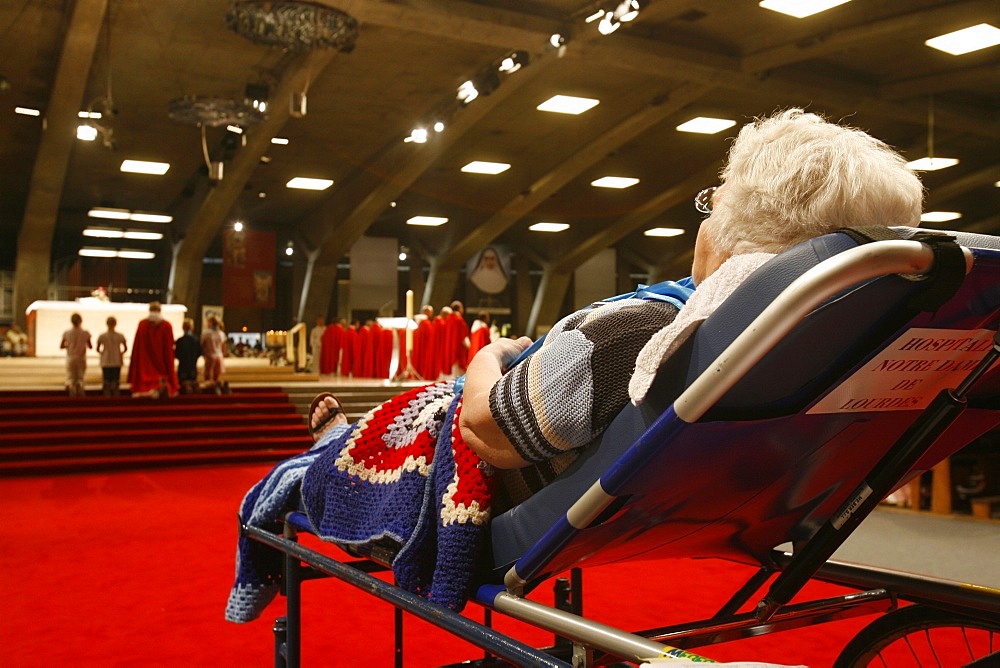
{"type": "Point", "coordinates": [569, 391]}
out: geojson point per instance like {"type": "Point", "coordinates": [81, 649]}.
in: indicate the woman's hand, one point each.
{"type": "Point", "coordinates": [479, 429]}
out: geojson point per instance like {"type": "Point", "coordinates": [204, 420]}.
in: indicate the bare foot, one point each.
{"type": "Point", "coordinates": [327, 412]}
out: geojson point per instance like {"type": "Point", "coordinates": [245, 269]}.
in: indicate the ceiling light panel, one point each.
{"type": "Point", "coordinates": [967, 40]}
{"type": "Point", "coordinates": [549, 227]}
{"type": "Point", "coordinates": [664, 232]}
{"type": "Point", "coordinates": [618, 182]}
{"type": "Point", "coordinates": [141, 217]}
{"type": "Point", "coordinates": [931, 164]}
{"type": "Point", "coordinates": [103, 233]}
{"type": "Point", "coordinates": [145, 167]}
{"type": "Point", "coordinates": [800, 8]}
{"type": "Point", "coordinates": [484, 167]}
{"type": "Point", "coordinates": [27, 111]}
{"type": "Point", "coordinates": [97, 252]}
{"type": "Point", "coordinates": [706, 125]}
{"type": "Point", "coordinates": [939, 216]}
{"type": "Point", "coordinates": [426, 221]}
{"type": "Point", "coordinates": [305, 183]}
{"type": "Point", "coordinates": [568, 104]}
{"type": "Point", "coordinates": [109, 214]}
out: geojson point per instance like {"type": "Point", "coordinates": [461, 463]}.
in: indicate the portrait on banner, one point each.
{"type": "Point", "coordinates": [488, 280]}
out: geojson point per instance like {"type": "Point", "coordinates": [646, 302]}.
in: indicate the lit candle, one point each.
{"type": "Point", "coordinates": [409, 319]}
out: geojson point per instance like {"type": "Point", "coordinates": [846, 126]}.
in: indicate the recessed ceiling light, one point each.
{"type": "Point", "coordinates": [966, 40]}
{"type": "Point", "coordinates": [614, 182]}
{"type": "Point", "coordinates": [135, 254]}
{"type": "Point", "coordinates": [939, 216]}
{"type": "Point", "coordinates": [483, 167]}
{"type": "Point", "coordinates": [996, 184]}
{"type": "Point", "coordinates": [931, 164]}
{"type": "Point", "coordinates": [86, 132]}
{"type": "Point", "coordinates": [549, 227]}
{"type": "Point", "coordinates": [235, 129]}
{"type": "Point", "coordinates": [141, 217]}
{"type": "Point", "coordinates": [706, 125]}
{"type": "Point", "coordinates": [305, 183]}
{"type": "Point", "coordinates": [800, 8]}
{"type": "Point", "coordinates": [279, 140]}
{"type": "Point", "coordinates": [567, 104]}
{"type": "Point", "coordinates": [27, 111]}
{"type": "Point", "coordinates": [142, 235]}
{"type": "Point", "coordinates": [97, 252]}
{"type": "Point", "coordinates": [111, 214]}
{"type": "Point", "coordinates": [427, 221]}
{"type": "Point", "coordinates": [145, 167]}
{"type": "Point", "coordinates": [103, 232]}
{"type": "Point", "coordinates": [664, 232]}
{"type": "Point", "coordinates": [90, 114]}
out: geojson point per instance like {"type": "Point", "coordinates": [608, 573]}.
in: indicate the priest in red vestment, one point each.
{"type": "Point", "coordinates": [457, 335]}
{"type": "Point", "coordinates": [423, 344]}
{"type": "Point", "coordinates": [151, 368]}
{"type": "Point", "coordinates": [333, 337]}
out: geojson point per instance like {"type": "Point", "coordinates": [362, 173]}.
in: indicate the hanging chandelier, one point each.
{"type": "Point", "coordinates": [294, 25]}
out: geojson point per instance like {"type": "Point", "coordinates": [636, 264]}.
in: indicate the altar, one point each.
{"type": "Point", "coordinates": [47, 320]}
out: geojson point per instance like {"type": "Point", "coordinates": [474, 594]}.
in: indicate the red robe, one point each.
{"type": "Point", "coordinates": [365, 364]}
{"type": "Point", "coordinates": [439, 362]}
{"type": "Point", "coordinates": [329, 360]}
{"type": "Point", "coordinates": [384, 368]}
{"type": "Point", "coordinates": [423, 350]}
{"type": "Point", "coordinates": [479, 337]}
{"type": "Point", "coordinates": [351, 347]}
{"type": "Point", "coordinates": [456, 337]}
{"type": "Point", "coordinates": [152, 357]}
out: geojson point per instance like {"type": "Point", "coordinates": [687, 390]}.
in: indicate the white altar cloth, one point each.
{"type": "Point", "coordinates": [47, 320]}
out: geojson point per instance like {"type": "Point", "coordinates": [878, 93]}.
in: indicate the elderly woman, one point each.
{"type": "Point", "coordinates": [421, 471]}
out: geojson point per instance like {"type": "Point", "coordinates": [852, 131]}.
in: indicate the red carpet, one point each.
{"type": "Point", "coordinates": [129, 569]}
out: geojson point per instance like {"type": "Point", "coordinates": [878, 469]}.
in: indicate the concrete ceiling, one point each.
{"type": "Point", "coordinates": [864, 62]}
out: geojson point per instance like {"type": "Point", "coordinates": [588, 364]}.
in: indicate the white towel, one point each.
{"type": "Point", "coordinates": [706, 298]}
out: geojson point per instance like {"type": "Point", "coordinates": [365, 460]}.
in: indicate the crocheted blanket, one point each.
{"type": "Point", "coordinates": [401, 475]}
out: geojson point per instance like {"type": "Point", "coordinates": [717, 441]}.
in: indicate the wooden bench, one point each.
{"type": "Point", "coordinates": [983, 506]}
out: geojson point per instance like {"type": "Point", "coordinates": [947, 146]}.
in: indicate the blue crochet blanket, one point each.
{"type": "Point", "coordinates": [402, 474]}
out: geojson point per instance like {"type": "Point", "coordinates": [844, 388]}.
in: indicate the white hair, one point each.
{"type": "Point", "coordinates": [794, 176]}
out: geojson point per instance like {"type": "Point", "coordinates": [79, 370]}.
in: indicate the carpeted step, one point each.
{"type": "Point", "coordinates": [139, 410]}
{"type": "Point", "coordinates": [15, 431]}
{"type": "Point", "coordinates": [103, 464]}
{"type": "Point", "coordinates": [75, 435]}
{"type": "Point", "coordinates": [141, 449]}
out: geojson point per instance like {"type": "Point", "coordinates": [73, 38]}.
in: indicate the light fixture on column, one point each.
{"type": "Point", "coordinates": [215, 112]}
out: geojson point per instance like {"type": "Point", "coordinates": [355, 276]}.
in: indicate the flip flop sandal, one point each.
{"type": "Point", "coordinates": [314, 431]}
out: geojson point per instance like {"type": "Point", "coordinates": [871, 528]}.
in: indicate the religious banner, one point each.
{"type": "Point", "coordinates": [248, 266]}
{"type": "Point", "coordinates": [488, 275]}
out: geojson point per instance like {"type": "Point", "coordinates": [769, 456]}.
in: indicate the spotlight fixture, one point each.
{"type": "Point", "coordinates": [289, 249]}
{"type": "Point", "coordinates": [439, 126]}
{"type": "Point", "coordinates": [86, 132]}
{"type": "Point", "coordinates": [256, 94]}
{"type": "Point", "coordinates": [417, 136]}
{"type": "Point", "coordinates": [558, 41]}
{"type": "Point", "coordinates": [627, 10]}
{"type": "Point", "coordinates": [467, 92]}
{"type": "Point", "coordinates": [513, 61]}
{"type": "Point", "coordinates": [608, 24]}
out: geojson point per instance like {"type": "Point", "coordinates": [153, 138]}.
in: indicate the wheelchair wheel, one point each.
{"type": "Point", "coordinates": [918, 635]}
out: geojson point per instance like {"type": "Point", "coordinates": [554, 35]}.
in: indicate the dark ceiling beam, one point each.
{"type": "Point", "coordinates": [825, 43]}
{"type": "Point", "coordinates": [48, 175]}
{"type": "Point", "coordinates": [444, 270]}
{"type": "Point", "coordinates": [963, 184]}
{"type": "Point", "coordinates": [986, 77]}
{"type": "Point", "coordinates": [550, 295]}
{"type": "Point", "coordinates": [677, 193]}
{"type": "Point", "coordinates": [472, 22]}
{"type": "Point", "coordinates": [655, 58]}
{"type": "Point", "coordinates": [219, 200]}
{"type": "Point", "coordinates": [351, 209]}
